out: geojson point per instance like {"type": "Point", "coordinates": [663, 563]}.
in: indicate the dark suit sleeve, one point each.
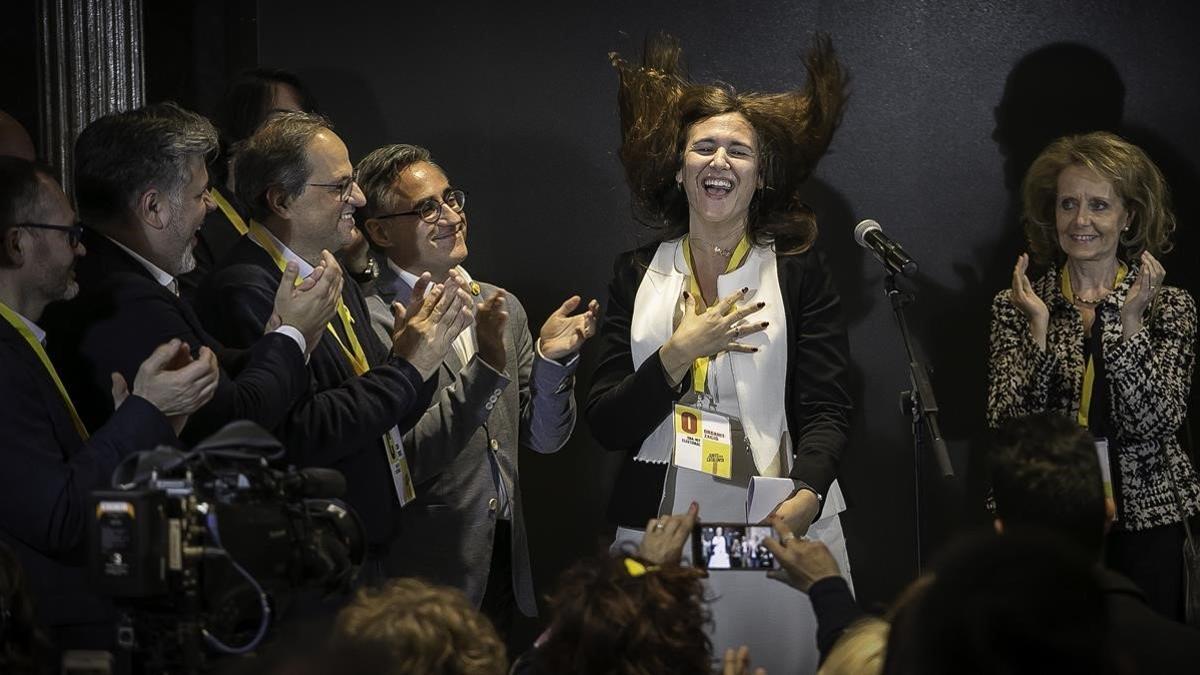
{"type": "Point", "coordinates": [546, 394]}
{"type": "Point", "coordinates": [43, 491]}
{"type": "Point", "coordinates": [270, 376]}
{"type": "Point", "coordinates": [834, 605]}
{"type": "Point", "coordinates": [625, 405]}
{"type": "Point", "coordinates": [107, 330]}
{"type": "Point", "coordinates": [819, 363]}
{"type": "Point", "coordinates": [115, 329]}
{"type": "Point", "coordinates": [333, 420]}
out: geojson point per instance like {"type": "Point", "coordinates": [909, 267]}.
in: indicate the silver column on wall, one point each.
{"type": "Point", "coordinates": [90, 63]}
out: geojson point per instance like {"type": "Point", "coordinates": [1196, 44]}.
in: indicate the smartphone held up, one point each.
{"type": "Point", "coordinates": [732, 546]}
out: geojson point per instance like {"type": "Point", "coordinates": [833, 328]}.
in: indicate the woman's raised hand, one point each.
{"type": "Point", "coordinates": [1141, 294]}
{"type": "Point", "coordinates": [716, 329]}
{"type": "Point", "coordinates": [1029, 303]}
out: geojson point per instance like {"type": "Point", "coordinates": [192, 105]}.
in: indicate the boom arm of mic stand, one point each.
{"type": "Point", "coordinates": [925, 403]}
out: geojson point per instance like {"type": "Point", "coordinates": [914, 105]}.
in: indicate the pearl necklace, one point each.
{"type": "Point", "coordinates": [1091, 303]}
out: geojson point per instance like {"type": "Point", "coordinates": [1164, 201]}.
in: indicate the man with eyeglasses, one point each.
{"type": "Point", "coordinates": [50, 460]}
{"type": "Point", "coordinates": [295, 177]}
{"type": "Point", "coordinates": [498, 390]}
{"type": "Point", "coordinates": [141, 186]}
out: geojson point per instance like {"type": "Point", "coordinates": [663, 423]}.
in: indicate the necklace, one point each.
{"type": "Point", "coordinates": [724, 252]}
{"type": "Point", "coordinates": [1089, 302]}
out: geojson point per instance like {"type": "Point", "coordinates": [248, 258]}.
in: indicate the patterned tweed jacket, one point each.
{"type": "Point", "coordinates": [1149, 376]}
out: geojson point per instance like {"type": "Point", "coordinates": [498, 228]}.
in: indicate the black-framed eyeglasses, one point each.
{"type": "Point", "coordinates": [430, 210]}
{"type": "Point", "coordinates": [344, 187]}
{"type": "Point", "coordinates": [74, 232]}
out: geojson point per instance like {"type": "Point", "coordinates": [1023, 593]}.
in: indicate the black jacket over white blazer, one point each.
{"type": "Point", "coordinates": [625, 405]}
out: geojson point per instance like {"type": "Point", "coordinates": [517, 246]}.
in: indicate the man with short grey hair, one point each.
{"type": "Point", "coordinates": [141, 186]}
{"type": "Point", "coordinates": [295, 177]}
{"type": "Point", "coordinates": [498, 390]}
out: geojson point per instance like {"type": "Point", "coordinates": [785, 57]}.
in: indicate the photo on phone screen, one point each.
{"type": "Point", "coordinates": [732, 546]}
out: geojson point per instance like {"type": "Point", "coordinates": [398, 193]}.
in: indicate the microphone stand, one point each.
{"type": "Point", "coordinates": [920, 403]}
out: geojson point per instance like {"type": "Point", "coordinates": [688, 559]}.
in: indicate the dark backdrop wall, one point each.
{"type": "Point", "coordinates": [950, 102]}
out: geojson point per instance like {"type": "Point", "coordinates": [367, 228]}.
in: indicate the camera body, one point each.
{"type": "Point", "coordinates": [202, 551]}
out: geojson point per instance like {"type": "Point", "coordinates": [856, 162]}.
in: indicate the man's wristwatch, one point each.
{"type": "Point", "coordinates": [368, 274]}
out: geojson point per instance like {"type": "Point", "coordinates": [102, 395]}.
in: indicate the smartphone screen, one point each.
{"type": "Point", "coordinates": [732, 546]}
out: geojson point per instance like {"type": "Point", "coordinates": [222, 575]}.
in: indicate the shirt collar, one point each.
{"type": "Point", "coordinates": [411, 279]}
{"type": "Point", "coordinates": [159, 275]}
{"type": "Point", "coordinates": [289, 255]}
{"type": "Point", "coordinates": [37, 331]}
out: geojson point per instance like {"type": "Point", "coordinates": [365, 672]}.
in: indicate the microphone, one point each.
{"type": "Point", "coordinates": [870, 235]}
{"type": "Point", "coordinates": [315, 482]}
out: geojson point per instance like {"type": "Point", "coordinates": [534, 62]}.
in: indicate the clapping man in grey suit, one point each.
{"type": "Point", "coordinates": [498, 389]}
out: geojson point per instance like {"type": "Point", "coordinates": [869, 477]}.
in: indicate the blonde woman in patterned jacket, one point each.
{"type": "Point", "coordinates": [1099, 338]}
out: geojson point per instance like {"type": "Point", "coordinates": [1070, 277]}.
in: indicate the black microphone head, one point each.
{"type": "Point", "coordinates": [137, 468]}
{"type": "Point", "coordinates": [861, 230]}
{"type": "Point", "coordinates": [325, 483]}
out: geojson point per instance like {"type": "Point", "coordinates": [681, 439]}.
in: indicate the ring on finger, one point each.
{"type": "Point", "coordinates": [659, 525]}
{"type": "Point", "coordinates": [787, 538]}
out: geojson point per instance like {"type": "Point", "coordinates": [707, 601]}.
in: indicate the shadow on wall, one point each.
{"type": "Point", "coordinates": [1036, 108]}
{"type": "Point", "coordinates": [869, 522]}
{"type": "Point", "coordinates": [953, 320]}
{"type": "Point", "coordinates": [846, 259]}
{"type": "Point", "coordinates": [349, 102]}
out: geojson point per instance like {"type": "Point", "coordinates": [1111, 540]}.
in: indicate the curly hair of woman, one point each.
{"type": "Point", "coordinates": [606, 620]}
{"type": "Point", "coordinates": [409, 627]}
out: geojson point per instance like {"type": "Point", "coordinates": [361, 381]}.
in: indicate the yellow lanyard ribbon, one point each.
{"type": "Point", "coordinates": [230, 213]}
{"type": "Point", "coordinates": [700, 366]}
{"type": "Point", "coordinates": [1089, 372]}
{"type": "Point", "coordinates": [15, 320]}
{"type": "Point", "coordinates": [354, 353]}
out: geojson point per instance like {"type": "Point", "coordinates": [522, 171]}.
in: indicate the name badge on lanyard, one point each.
{"type": "Point", "coordinates": [704, 440]}
{"type": "Point", "coordinates": [401, 476]}
{"type": "Point", "coordinates": [357, 358]}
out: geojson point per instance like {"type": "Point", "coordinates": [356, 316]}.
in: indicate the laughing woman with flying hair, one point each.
{"type": "Point", "coordinates": [734, 307]}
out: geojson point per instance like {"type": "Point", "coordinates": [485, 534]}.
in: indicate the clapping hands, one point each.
{"type": "Point", "coordinates": [172, 381]}
{"type": "Point", "coordinates": [1141, 294]}
{"type": "Point", "coordinates": [563, 334]}
{"type": "Point", "coordinates": [1028, 302]}
{"type": "Point", "coordinates": [434, 316]}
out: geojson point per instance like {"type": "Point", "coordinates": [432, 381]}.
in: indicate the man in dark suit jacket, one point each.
{"type": "Point", "coordinates": [295, 177]}
{"type": "Point", "coordinates": [498, 390]}
{"type": "Point", "coordinates": [50, 463]}
{"type": "Point", "coordinates": [141, 185]}
{"type": "Point", "coordinates": [1046, 478]}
